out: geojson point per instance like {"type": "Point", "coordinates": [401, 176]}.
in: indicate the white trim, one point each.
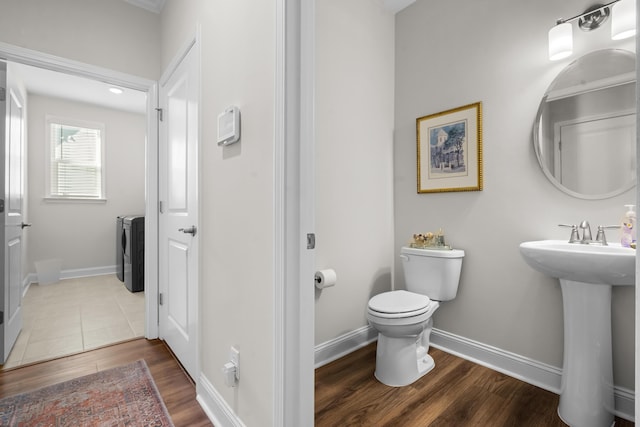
{"type": "Point", "coordinates": [72, 274]}
{"type": "Point", "coordinates": [528, 370]}
{"type": "Point", "coordinates": [339, 347]}
{"type": "Point", "coordinates": [279, 215]}
{"type": "Point", "coordinates": [180, 55]}
{"type": "Point", "coordinates": [522, 368]}
{"type": "Point", "coordinates": [75, 68]}
{"type": "Point", "coordinates": [151, 218]}
{"type": "Point", "coordinates": [51, 119]}
{"type": "Point", "coordinates": [293, 401]}
{"type": "Point", "coordinates": [155, 6]}
{"type": "Point", "coordinates": [214, 405]}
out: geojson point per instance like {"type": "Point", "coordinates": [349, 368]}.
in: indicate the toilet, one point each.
{"type": "Point", "coordinates": [403, 318]}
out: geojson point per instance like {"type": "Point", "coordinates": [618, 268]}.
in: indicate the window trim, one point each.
{"type": "Point", "coordinates": [66, 121]}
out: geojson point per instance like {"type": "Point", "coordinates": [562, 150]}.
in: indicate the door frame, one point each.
{"type": "Point", "coordinates": [294, 214]}
{"type": "Point", "coordinates": [35, 58]}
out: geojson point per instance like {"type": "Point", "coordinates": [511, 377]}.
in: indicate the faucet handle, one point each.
{"type": "Point", "coordinates": [600, 236]}
{"type": "Point", "coordinates": [574, 232]}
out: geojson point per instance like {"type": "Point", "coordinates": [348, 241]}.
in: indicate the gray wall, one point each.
{"type": "Point", "coordinates": [354, 159]}
{"type": "Point", "coordinates": [111, 34]}
{"type": "Point", "coordinates": [453, 53]}
{"type": "Point", "coordinates": [82, 234]}
{"type": "Point", "coordinates": [236, 293]}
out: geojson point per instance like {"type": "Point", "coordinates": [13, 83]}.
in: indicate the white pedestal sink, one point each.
{"type": "Point", "coordinates": [586, 274]}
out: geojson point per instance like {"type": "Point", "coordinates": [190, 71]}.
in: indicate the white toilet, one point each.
{"type": "Point", "coordinates": [403, 318]}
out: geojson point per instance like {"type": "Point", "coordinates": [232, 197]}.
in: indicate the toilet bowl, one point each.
{"type": "Point", "coordinates": [403, 318]}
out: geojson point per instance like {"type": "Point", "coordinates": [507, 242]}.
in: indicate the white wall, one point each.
{"type": "Point", "coordinates": [236, 196]}
{"type": "Point", "coordinates": [111, 34]}
{"type": "Point", "coordinates": [82, 234]}
{"type": "Point", "coordinates": [458, 52]}
{"type": "Point", "coordinates": [354, 159]}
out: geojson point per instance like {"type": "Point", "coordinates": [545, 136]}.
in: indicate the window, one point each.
{"type": "Point", "coordinates": [75, 159]}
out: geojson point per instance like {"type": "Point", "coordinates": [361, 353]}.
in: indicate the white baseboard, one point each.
{"type": "Point", "coordinates": [72, 274]}
{"type": "Point", "coordinates": [343, 345]}
{"type": "Point", "coordinates": [528, 370]}
{"type": "Point", "coordinates": [87, 272]}
{"type": "Point", "coordinates": [522, 368]}
{"type": "Point", "coordinates": [215, 406]}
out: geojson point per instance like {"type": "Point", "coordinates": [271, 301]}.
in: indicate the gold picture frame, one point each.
{"type": "Point", "coordinates": [449, 146]}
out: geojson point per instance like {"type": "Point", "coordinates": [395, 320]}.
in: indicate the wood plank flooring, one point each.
{"type": "Point", "coordinates": [456, 393]}
{"type": "Point", "coordinates": [176, 388]}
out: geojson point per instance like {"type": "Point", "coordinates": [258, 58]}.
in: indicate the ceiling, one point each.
{"type": "Point", "coordinates": [60, 85]}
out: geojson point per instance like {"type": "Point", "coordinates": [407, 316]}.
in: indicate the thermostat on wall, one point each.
{"type": "Point", "coordinates": [229, 126]}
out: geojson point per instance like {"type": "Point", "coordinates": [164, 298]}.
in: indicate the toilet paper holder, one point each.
{"type": "Point", "coordinates": [325, 278]}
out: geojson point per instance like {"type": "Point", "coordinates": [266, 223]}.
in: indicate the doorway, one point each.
{"type": "Point", "coordinates": [147, 88]}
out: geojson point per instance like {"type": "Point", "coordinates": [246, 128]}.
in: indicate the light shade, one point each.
{"type": "Point", "coordinates": [623, 19]}
{"type": "Point", "coordinates": [560, 41]}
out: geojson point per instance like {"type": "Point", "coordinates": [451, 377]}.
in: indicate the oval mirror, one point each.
{"type": "Point", "coordinates": [585, 130]}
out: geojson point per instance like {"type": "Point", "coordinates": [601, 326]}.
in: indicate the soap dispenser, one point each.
{"type": "Point", "coordinates": [629, 235]}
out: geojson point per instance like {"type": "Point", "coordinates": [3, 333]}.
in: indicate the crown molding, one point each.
{"type": "Point", "coordinates": [155, 6]}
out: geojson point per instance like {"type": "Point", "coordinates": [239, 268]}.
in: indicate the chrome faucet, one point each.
{"type": "Point", "coordinates": [586, 232]}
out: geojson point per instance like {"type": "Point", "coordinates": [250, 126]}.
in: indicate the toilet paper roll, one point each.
{"type": "Point", "coordinates": [325, 278]}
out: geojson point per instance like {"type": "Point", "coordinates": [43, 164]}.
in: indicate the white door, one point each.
{"type": "Point", "coordinates": [597, 155]}
{"type": "Point", "coordinates": [13, 138]}
{"type": "Point", "coordinates": [178, 221]}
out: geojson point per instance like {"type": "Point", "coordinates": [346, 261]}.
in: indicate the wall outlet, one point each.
{"type": "Point", "coordinates": [234, 357]}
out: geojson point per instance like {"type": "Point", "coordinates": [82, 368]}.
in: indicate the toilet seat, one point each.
{"type": "Point", "coordinates": [399, 304]}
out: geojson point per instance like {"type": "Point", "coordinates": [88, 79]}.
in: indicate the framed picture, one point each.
{"type": "Point", "coordinates": [450, 150]}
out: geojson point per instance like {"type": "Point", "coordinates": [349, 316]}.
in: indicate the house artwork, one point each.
{"type": "Point", "coordinates": [448, 147]}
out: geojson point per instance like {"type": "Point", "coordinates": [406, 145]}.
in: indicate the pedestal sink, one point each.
{"type": "Point", "coordinates": [586, 274]}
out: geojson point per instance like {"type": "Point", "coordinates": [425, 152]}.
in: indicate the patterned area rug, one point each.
{"type": "Point", "coordinates": [122, 396]}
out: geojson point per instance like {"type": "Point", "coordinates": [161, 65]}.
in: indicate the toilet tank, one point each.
{"type": "Point", "coordinates": [432, 272]}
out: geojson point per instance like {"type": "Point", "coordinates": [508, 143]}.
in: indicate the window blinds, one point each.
{"type": "Point", "coordinates": [76, 161]}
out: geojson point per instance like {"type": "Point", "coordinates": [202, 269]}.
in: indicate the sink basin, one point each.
{"type": "Point", "coordinates": [607, 265]}
{"type": "Point", "coordinates": [587, 274]}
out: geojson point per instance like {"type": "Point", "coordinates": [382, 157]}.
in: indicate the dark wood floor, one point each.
{"type": "Point", "coordinates": [456, 393]}
{"type": "Point", "coordinates": [176, 388]}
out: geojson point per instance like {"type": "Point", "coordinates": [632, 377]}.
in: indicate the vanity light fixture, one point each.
{"type": "Point", "coordinates": [623, 25]}
{"type": "Point", "coordinates": [116, 90]}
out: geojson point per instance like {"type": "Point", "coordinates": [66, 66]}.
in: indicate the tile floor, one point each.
{"type": "Point", "coordinates": [76, 315]}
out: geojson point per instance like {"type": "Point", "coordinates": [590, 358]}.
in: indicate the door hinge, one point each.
{"type": "Point", "coordinates": [3, 94]}
{"type": "Point", "coordinates": [160, 299]}
{"type": "Point", "coordinates": [160, 115]}
{"type": "Point", "coordinates": [160, 207]}
{"type": "Point", "coordinates": [311, 241]}
{"type": "Point", "coordinates": [1, 317]}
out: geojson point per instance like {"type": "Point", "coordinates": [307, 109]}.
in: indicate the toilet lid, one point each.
{"type": "Point", "coordinates": [398, 302]}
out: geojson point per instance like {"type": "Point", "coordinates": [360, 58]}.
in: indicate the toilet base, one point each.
{"type": "Point", "coordinates": [401, 361]}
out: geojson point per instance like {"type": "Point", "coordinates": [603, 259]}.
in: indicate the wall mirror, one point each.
{"type": "Point", "coordinates": [585, 129]}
